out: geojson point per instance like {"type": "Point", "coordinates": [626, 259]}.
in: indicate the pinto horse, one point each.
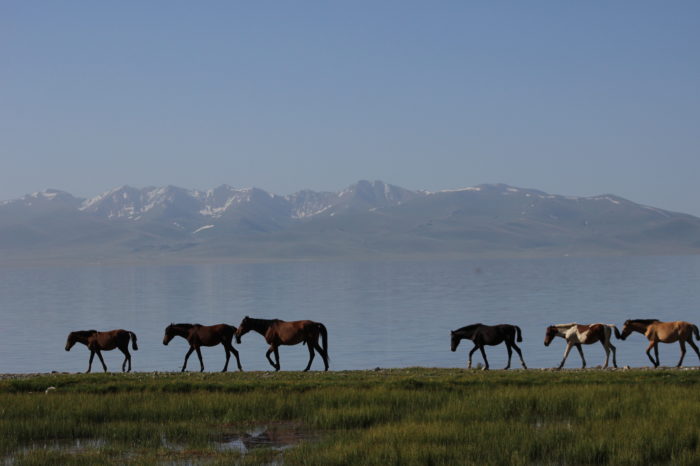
{"type": "Point", "coordinates": [104, 341]}
{"type": "Point", "coordinates": [489, 335]}
{"type": "Point", "coordinates": [577, 335]}
{"type": "Point", "coordinates": [204, 335]}
{"type": "Point", "coordinates": [664, 332]}
{"type": "Point", "coordinates": [278, 332]}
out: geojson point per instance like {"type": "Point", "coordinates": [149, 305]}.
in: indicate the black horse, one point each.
{"type": "Point", "coordinates": [489, 335]}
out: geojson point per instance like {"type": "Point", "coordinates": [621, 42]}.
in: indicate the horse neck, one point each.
{"type": "Point", "coordinates": [260, 325]}
{"type": "Point", "coordinates": [466, 332]}
{"type": "Point", "coordinates": [82, 337]}
{"type": "Point", "coordinates": [640, 327]}
{"type": "Point", "coordinates": [182, 330]}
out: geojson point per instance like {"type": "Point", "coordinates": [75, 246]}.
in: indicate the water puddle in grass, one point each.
{"type": "Point", "coordinates": [277, 436]}
{"type": "Point", "coordinates": [76, 446]}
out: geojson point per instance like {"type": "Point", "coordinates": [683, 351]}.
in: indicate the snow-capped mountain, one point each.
{"type": "Point", "coordinates": [367, 219]}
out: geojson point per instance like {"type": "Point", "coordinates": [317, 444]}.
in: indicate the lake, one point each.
{"type": "Point", "coordinates": [378, 314]}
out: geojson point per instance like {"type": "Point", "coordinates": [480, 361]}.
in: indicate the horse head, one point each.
{"type": "Point", "coordinates": [70, 342]}
{"type": "Point", "coordinates": [549, 334]}
{"type": "Point", "coordinates": [242, 329]}
{"type": "Point", "coordinates": [454, 340]}
{"type": "Point", "coordinates": [169, 333]}
{"type": "Point", "coordinates": [627, 329]}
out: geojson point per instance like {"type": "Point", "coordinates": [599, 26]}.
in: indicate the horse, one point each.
{"type": "Point", "coordinates": [198, 335]}
{"type": "Point", "coordinates": [664, 332]}
{"type": "Point", "coordinates": [577, 335]}
{"type": "Point", "coordinates": [104, 341]}
{"type": "Point", "coordinates": [489, 335]}
{"type": "Point", "coordinates": [278, 332]}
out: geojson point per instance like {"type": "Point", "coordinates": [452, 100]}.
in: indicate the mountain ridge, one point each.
{"type": "Point", "coordinates": [369, 219]}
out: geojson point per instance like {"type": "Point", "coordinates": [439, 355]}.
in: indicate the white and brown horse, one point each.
{"type": "Point", "coordinates": [664, 332]}
{"type": "Point", "coordinates": [577, 335]}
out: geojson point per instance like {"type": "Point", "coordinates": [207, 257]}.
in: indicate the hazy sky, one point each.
{"type": "Point", "coordinates": [576, 98]}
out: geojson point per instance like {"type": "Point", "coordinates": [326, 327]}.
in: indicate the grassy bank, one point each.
{"type": "Point", "coordinates": [408, 416]}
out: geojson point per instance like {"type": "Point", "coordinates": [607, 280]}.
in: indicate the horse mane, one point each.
{"type": "Point", "coordinates": [565, 325]}
{"type": "Point", "coordinates": [643, 321]}
{"type": "Point", "coordinates": [186, 325]}
{"type": "Point", "coordinates": [468, 327]}
{"type": "Point", "coordinates": [83, 333]}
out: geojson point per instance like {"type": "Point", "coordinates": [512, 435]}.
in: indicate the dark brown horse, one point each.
{"type": "Point", "coordinates": [204, 335]}
{"type": "Point", "coordinates": [278, 332]}
{"type": "Point", "coordinates": [104, 341]}
{"type": "Point", "coordinates": [489, 335]}
{"type": "Point", "coordinates": [664, 332]}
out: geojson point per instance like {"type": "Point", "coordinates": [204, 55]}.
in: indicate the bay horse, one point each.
{"type": "Point", "coordinates": [489, 335]}
{"type": "Point", "coordinates": [664, 332]}
{"type": "Point", "coordinates": [278, 332]}
{"type": "Point", "coordinates": [104, 341]}
{"type": "Point", "coordinates": [198, 335]}
{"type": "Point", "coordinates": [577, 335]}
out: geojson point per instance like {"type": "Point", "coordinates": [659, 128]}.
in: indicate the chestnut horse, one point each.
{"type": "Point", "coordinates": [104, 341]}
{"type": "Point", "coordinates": [278, 332]}
{"type": "Point", "coordinates": [489, 335]}
{"type": "Point", "coordinates": [664, 332]}
{"type": "Point", "coordinates": [204, 335]}
{"type": "Point", "coordinates": [577, 335]}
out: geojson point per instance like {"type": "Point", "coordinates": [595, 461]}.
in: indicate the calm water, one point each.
{"type": "Point", "coordinates": [395, 314]}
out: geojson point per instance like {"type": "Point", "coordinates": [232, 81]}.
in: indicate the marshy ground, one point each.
{"type": "Point", "coordinates": [395, 416]}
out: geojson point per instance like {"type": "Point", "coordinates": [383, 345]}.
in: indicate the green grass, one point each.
{"type": "Point", "coordinates": [407, 416]}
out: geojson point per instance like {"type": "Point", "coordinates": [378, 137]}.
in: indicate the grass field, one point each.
{"type": "Point", "coordinates": [402, 416]}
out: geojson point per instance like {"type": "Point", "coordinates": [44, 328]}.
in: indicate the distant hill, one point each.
{"type": "Point", "coordinates": [366, 220]}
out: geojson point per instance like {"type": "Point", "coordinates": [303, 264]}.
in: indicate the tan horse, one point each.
{"type": "Point", "coordinates": [204, 335]}
{"type": "Point", "coordinates": [664, 332]}
{"type": "Point", "coordinates": [278, 332]}
{"type": "Point", "coordinates": [104, 341]}
{"type": "Point", "coordinates": [577, 335]}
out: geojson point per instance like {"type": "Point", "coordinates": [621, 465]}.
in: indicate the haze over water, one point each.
{"type": "Point", "coordinates": [378, 314]}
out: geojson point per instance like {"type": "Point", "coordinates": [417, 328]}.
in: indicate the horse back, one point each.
{"type": "Point", "coordinates": [293, 332]}
{"type": "Point", "coordinates": [495, 334]}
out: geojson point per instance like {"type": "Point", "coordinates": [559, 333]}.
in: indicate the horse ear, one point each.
{"type": "Point", "coordinates": [452, 332]}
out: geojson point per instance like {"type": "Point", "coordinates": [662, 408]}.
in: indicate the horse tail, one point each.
{"type": "Point", "coordinates": [134, 346]}
{"type": "Point", "coordinates": [519, 333]}
{"type": "Point", "coordinates": [324, 337]}
{"type": "Point", "coordinates": [617, 332]}
{"type": "Point", "coordinates": [697, 334]}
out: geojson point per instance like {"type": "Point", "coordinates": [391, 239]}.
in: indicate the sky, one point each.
{"type": "Point", "coordinates": [575, 98]}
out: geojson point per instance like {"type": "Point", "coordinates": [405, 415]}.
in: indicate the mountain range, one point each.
{"type": "Point", "coordinates": [366, 220]}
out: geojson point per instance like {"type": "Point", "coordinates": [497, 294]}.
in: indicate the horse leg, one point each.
{"type": "Point", "coordinates": [312, 354]}
{"type": "Point", "coordinates": [680, 362]}
{"type": "Point", "coordinates": [694, 346]}
{"type": "Point", "coordinates": [99, 355]}
{"type": "Point", "coordinates": [614, 351]}
{"type": "Point", "coordinates": [323, 354]}
{"type": "Point", "coordinates": [187, 356]}
{"type": "Point", "coordinates": [510, 353]}
{"type": "Point", "coordinates": [580, 351]}
{"type": "Point", "coordinates": [522, 361]}
{"type": "Point", "coordinates": [127, 357]}
{"type": "Point", "coordinates": [273, 349]}
{"type": "Point", "coordinates": [652, 345]}
{"type": "Point", "coordinates": [656, 353]}
{"type": "Point", "coordinates": [469, 364]}
{"type": "Point", "coordinates": [235, 353]}
{"type": "Point", "coordinates": [92, 356]}
{"type": "Point", "coordinates": [566, 355]}
{"type": "Point", "coordinates": [228, 356]}
{"type": "Point", "coordinates": [486, 361]}
{"type": "Point", "coordinates": [201, 361]}
{"type": "Point", "coordinates": [607, 353]}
